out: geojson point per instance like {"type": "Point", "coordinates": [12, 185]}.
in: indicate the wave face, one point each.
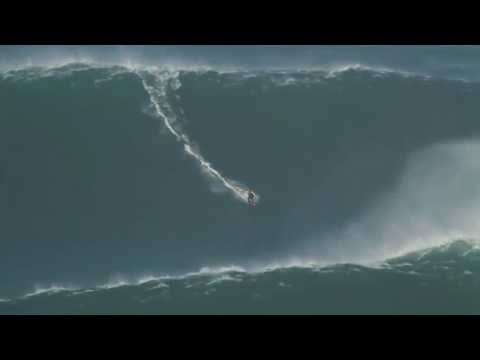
{"type": "Point", "coordinates": [440, 280]}
{"type": "Point", "coordinates": [115, 170]}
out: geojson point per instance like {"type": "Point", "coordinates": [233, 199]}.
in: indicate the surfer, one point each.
{"type": "Point", "coordinates": [251, 197]}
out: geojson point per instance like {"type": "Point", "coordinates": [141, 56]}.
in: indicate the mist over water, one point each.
{"type": "Point", "coordinates": [435, 199]}
{"type": "Point", "coordinates": [127, 163]}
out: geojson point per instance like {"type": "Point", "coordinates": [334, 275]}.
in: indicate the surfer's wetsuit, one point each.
{"type": "Point", "coordinates": [251, 198]}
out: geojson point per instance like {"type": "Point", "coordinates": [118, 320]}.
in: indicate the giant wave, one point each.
{"type": "Point", "coordinates": [355, 164]}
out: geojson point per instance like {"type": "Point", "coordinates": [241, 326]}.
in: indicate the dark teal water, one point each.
{"type": "Point", "coordinates": [95, 188]}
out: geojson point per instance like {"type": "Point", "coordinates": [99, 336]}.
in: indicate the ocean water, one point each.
{"type": "Point", "coordinates": [123, 180]}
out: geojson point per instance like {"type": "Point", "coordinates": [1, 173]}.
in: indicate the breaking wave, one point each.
{"type": "Point", "coordinates": [232, 290]}
{"type": "Point", "coordinates": [345, 184]}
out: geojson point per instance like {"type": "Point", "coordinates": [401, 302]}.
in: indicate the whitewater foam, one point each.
{"type": "Point", "coordinates": [69, 65]}
{"type": "Point", "coordinates": [224, 278]}
{"type": "Point", "coordinates": [146, 279]}
{"type": "Point", "coordinates": [160, 285]}
{"type": "Point", "coordinates": [115, 284]}
{"type": "Point", "coordinates": [211, 276]}
{"type": "Point", "coordinates": [50, 290]}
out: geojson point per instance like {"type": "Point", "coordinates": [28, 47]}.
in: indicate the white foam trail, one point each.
{"type": "Point", "coordinates": [158, 98]}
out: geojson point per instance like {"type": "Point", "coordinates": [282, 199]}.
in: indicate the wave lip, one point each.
{"type": "Point", "coordinates": [71, 65]}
